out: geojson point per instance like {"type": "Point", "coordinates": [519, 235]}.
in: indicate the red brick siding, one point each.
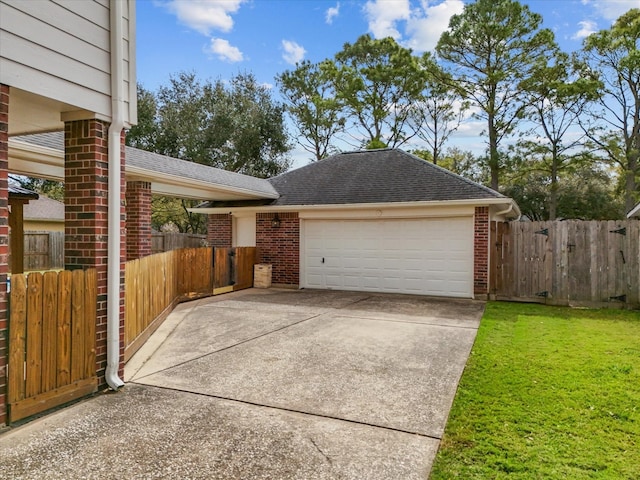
{"type": "Point", "coordinates": [4, 247]}
{"type": "Point", "coordinates": [219, 230]}
{"type": "Point", "coordinates": [280, 246]}
{"type": "Point", "coordinates": [138, 197]}
{"type": "Point", "coordinates": [481, 251]}
{"type": "Point", "coordinates": [86, 222]}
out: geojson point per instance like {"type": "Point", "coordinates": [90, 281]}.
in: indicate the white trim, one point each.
{"type": "Point", "coordinates": [634, 211]}
{"type": "Point", "coordinates": [306, 211]}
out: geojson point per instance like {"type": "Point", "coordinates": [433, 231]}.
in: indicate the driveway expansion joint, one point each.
{"type": "Point", "coordinates": [230, 346]}
{"type": "Point", "coordinates": [291, 410]}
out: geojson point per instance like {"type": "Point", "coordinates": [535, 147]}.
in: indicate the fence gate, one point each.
{"type": "Point", "coordinates": [581, 263]}
{"type": "Point", "coordinates": [52, 337]}
{"type": "Point", "coordinates": [233, 268]}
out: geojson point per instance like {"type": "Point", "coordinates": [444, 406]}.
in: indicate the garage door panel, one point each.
{"type": "Point", "coordinates": [421, 256]}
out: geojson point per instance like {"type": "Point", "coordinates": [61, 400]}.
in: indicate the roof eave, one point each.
{"type": "Point", "coordinates": [635, 211]}
{"type": "Point", "coordinates": [505, 201]}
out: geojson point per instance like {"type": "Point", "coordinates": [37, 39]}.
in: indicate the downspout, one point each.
{"type": "Point", "coordinates": [113, 249]}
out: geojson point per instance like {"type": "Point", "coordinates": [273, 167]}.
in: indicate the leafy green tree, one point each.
{"type": "Point", "coordinates": [438, 113]}
{"type": "Point", "coordinates": [144, 135]}
{"type": "Point", "coordinates": [586, 191]}
{"type": "Point", "coordinates": [167, 211]}
{"type": "Point", "coordinates": [613, 55]}
{"type": "Point", "coordinates": [490, 48]}
{"type": "Point", "coordinates": [377, 81]}
{"type": "Point", "coordinates": [314, 106]}
{"type": "Point", "coordinates": [557, 98]}
{"type": "Point", "coordinates": [235, 126]}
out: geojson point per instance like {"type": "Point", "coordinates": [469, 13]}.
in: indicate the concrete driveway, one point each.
{"type": "Point", "coordinates": [272, 384]}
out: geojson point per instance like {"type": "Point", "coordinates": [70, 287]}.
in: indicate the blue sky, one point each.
{"type": "Point", "coordinates": [220, 38]}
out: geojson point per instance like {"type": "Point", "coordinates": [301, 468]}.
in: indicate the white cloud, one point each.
{"type": "Point", "coordinates": [612, 9]}
{"type": "Point", "coordinates": [225, 51]}
{"type": "Point", "coordinates": [293, 53]}
{"type": "Point", "coordinates": [383, 16]}
{"type": "Point", "coordinates": [426, 25]}
{"type": "Point", "coordinates": [205, 15]}
{"type": "Point", "coordinates": [587, 27]}
{"type": "Point", "coordinates": [331, 13]}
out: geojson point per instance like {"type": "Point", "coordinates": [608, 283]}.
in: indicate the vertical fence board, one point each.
{"type": "Point", "coordinates": [63, 353]}
{"type": "Point", "coordinates": [49, 330]}
{"type": "Point", "coordinates": [17, 338]}
{"type": "Point", "coordinates": [77, 325]}
{"type": "Point", "coordinates": [34, 334]}
{"type": "Point", "coordinates": [90, 317]}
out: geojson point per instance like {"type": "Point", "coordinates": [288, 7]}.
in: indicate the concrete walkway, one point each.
{"type": "Point", "coordinates": [272, 384]}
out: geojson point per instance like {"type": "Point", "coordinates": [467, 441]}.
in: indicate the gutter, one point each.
{"type": "Point", "coordinates": [358, 206]}
{"type": "Point", "coordinates": [508, 210]}
{"type": "Point", "coordinates": [114, 204]}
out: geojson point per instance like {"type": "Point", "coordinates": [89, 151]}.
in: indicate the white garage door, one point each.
{"type": "Point", "coordinates": [417, 256]}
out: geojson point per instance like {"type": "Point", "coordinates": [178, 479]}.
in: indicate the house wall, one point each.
{"type": "Point", "coordinates": [280, 246]}
{"type": "Point", "coordinates": [481, 252]}
{"type": "Point", "coordinates": [219, 232]}
{"type": "Point", "coordinates": [138, 198]}
{"type": "Point", "coordinates": [43, 226]}
{"type": "Point", "coordinates": [60, 50]}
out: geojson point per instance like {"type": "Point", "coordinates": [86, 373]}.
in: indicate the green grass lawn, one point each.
{"type": "Point", "coordinates": [548, 392]}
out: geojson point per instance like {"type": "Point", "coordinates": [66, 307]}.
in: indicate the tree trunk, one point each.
{"type": "Point", "coordinates": [494, 160]}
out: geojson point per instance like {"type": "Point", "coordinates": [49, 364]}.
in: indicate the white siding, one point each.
{"type": "Point", "coordinates": [61, 50]}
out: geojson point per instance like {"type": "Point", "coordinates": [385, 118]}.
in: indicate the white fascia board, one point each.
{"type": "Point", "coordinates": [635, 211]}
{"type": "Point", "coordinates": [186, 184]}
{"type": "Point", "coordinates": [309, 211]}
{"type": "Point", "coordinates": [28, 159]}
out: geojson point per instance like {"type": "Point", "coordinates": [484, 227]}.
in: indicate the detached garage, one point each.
{"type": "Point", "coordinates": [377, 220]}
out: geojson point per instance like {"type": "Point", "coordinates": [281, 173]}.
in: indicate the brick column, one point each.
{"type": "Point", "coordinates": [481, 251]}
{"type": "Point", "coordinates": [4, 247]}
{"type": "Point", "coordinates": [280, 246]}
{"type": "Point", "coordinates": [219, 230]}
{"type": "Point", "coordinates": [86, 222]}
{"type": "Point", "coordinates": [138, 197]}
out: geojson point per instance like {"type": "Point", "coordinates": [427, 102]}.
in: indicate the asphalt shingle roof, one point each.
{"type": "Point", "coordinates": [374, 176]}
{"type": "Point", "coordinates": [170, 166]}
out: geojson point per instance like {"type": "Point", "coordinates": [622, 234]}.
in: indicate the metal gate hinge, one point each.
{"type": "Point", "coordinates": [544, 231]}
{"type": "Point", "coordinates": [621, 231]}
{"type": "Point", "coordinates": [544, 294]}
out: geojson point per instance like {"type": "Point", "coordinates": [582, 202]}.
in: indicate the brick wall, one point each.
{"type": "Point", "coordinates": [86, 222]}
{"type": "Point", "coordinates": [4, 248]}
{"type": "Point", "coordinates": [219, 230]}
{"type": "Point", "coordinates": [481, 251]}
{"type": "Point", "coordinates": [138, 198]}
{"type": "Point", "coordinates": [280, 246]}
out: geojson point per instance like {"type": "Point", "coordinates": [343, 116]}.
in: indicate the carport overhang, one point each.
{"type": "Point", "coordinates": [45, 162]}
{"type": "Point", "coordinates": [500, 208]}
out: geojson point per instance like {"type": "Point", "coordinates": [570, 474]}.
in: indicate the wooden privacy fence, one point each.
{"type": "Point", "coordinates": [580, 263]}
{"type": "Point", "coordinates": [155, 284]}
{"type": "Point", "coordinates": [164, 242]}
{"type": "Point", "coordinates": [52, 338]}
{"type": "Point", "coordinates": [43, 251]}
